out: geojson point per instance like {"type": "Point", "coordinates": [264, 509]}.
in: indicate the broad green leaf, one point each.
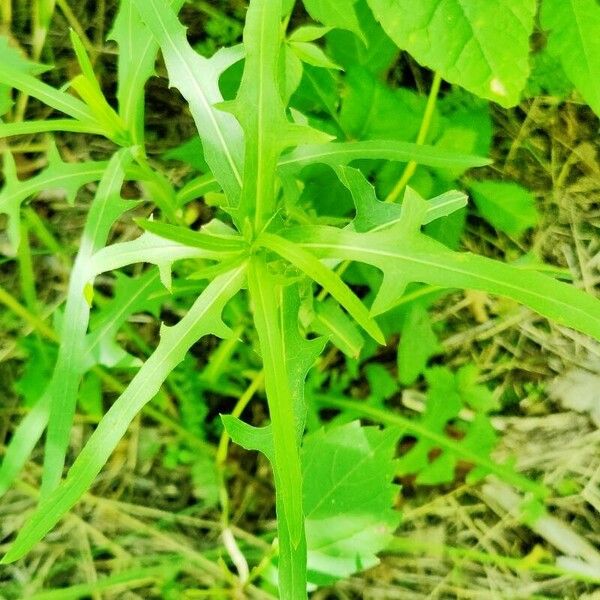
{"type": "Point", "coordinates": [371, 109]}
{"type": "Point", "coordinates": [335, 13]}
{"type": "Point", "coordinates": [482, 46]}
{"type": "Point", "coordinates": [137, 55]}
{"type": "Point", "coordinates": [547, 77]}
{"type": "Point", "coordinates": [106, 207]}
{"type": "Point", "coordinates": [418, 343]}
{"type": "Point", "coordinates": [348, 50]}
{"type": "Point", "coordinates": [348, 472]}
{"type": "Point", "coordinates": [203, 318]}
{"type": "Point", "coordinates": [58, 175]}
{"type": "Point", "coordinates": [260, 110]}
{"type": "Point", "coordinates": [466, 126]}
{"type": "Point", "coordinates": [506, 205]}
{"type": "Point", "coordinates": [326, 278]}
{"type": "Point", "coordinates": [197, 78]}
{"type": "Point", "coordinates": [406, 255]}
{"type": "Point", "coordinates": [574, 39]}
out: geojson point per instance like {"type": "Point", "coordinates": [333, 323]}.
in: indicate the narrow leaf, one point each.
{"type": "Point", "coordinates": [406, 255]}
{"type": "Point", "coordinates": [58, 175]}
{"type": "Point", "coordinates": [137, 55]}
{"type": "Point", "coordinates": [106, 208]}
{"type": "Point", "coordinates": [197, 78]}
{"type": "Point", "coordinates": [203, 318]}
{"type": "Point", "coordinates": [266, 299]}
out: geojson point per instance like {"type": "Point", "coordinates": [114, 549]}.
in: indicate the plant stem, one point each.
{"type": "Point", "coordinates": [267, 304]}
{"type": "Point", "coordinates": [411, 167]}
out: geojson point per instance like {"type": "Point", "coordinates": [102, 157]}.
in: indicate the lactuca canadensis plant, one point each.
{"type": "Point", "coordinates": [262, 246]}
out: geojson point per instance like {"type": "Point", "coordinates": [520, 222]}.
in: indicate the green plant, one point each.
{"type": "Point", "coordinates": [267, 248]}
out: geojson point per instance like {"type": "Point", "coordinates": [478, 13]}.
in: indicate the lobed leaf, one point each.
{"type": "Point", "coordinates": [445, 399]}
{"type": "Point", "coordinates": [106, 207]}
{"type": "Point", "coordinates": [267, 301]}
{"type": "Point", "coordinates": [137, 55]}
{"type": "Point", "coordinates": [197, 78]}
{"type": "Point", "coordinates": [58, 175]}
{"type": "Point", "coordinates": [343, 154]}
{"type": "Point", "coordinates": [131, 295]}
{"type": "Point", "coordinates": [260, 109]}
{"type": "Point", "coordinates": [406, 255]}
{"type": "Point", "coordinates": [203, 318]}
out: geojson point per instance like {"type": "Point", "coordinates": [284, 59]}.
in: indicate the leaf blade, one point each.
{"type": "Point", "coordinates": [204, 317]}
{"type": "Point", "coordinates": [574, 26]}
{"type": "Point", "coordinates": [482, 46]}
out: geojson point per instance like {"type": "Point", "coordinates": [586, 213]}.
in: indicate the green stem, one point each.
{"type": "Point", "coordinates": [267, 302]}
{"type": "Point", "coordinates": [411, 167]}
